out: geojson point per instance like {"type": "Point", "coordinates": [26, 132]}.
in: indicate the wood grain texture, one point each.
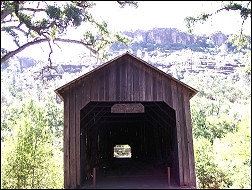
{"type": "Point", "coordinates": [190, 138]}
{"type": "Point", "coordinates": [179, 145]}
{"type": "Point", "coordinates": [66, 140]}
{"type": "Point", "coordinates": [72, 137]}
{"type": "Point", "coordinates": [127, 79]}
{"type": "Point", "coordinates": [183, 132]}
{"type": "Point", "coordinates": [77, 133]}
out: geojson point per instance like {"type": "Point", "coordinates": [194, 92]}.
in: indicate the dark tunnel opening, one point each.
{"type": "Point", "coordinates": [150, 132]}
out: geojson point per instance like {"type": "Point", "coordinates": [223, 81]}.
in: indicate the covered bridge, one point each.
{"type": "Point", "coordinates": [127, 101]}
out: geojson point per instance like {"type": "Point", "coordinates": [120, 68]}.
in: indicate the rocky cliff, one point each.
{"type": "Point", "coordinates": [173, 35]}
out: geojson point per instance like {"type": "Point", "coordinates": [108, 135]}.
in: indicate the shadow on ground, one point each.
{"type": "Point", "coordinates": [127, 173]}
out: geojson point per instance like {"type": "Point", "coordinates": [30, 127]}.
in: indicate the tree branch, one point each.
{"type": "Point", "coordinates": [12, 53]}
{"type": "Point", "coordinates": [4, 14]}
{"type": "Point", "coordinates": [32, 9]}
{"type": "Point", "coordinates": [76, 42]}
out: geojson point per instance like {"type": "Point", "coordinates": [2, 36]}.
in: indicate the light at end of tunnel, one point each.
{"type": "Point", "coordinates": [122, 151]}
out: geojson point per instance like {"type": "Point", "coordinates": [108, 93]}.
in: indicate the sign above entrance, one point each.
{"type": "Point", "coordinates": [127, 108]}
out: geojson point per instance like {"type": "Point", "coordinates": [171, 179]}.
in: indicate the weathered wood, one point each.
{"type": "Point", "coordinates": [127, 79]}
{"type": "Point", "coordinates": [169, 176]}
{"type": "Point", "coordinates": [123, 80]}
{"type": "Point", "coordinates": [147, 86]}
{"type": "Point", "coordinates": [190, 138]}
{"type": "Point", "coordinates": [183, 135]}
{"type": "Point", "coordinates": [136, 91]}
{"type": "Point", "coordinates": [66, 140]}
{"type": "Point", "coordinates": [83, 155]}
{"type": "Point", "coordinates": [94, 177]}
{"type": "Point", "coordinates": [88, 89]}
{"type": "Point", "coordinates": [141, 82]}
{"type": "Point", "coordinates": [127, 108]}
{"type": "Point", "coordinates": [72, 137]}
{"type": "Point", "coordinates": [77, 133]}
{"type": "Point", "coordinates": [94, 90]}
{"type": "Point", "coordinates": [106, 83]}
{"type": "Point", "coordinates": [175, 107]}
{"type": "Point", "coordinates": [154, 87]}
{"type": "Point", "coordinates": [159, 87]}
{"type": "Point", "coordinates": [101, 84]}
{"type": "Point", "coordinates": [117, 80]}
{"type": "Point", "coordinates": [112, 83]}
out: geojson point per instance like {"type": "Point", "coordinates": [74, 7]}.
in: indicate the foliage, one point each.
{"type": "Point", "coordinates": [209, 174]}
{"type": "Point", "coordinates": [238, 40]}
{"type": "Point", "coordinates": [41, 21]}
{"type": "Point", "coordinates": [233, 153]}
{"type": "Point", "coordinates": [31, 133]}
{"type": "Point", "coordinates": [245, 12]}
{"type": "Point", "coordinates": [29, 157]}
{"type": "Point", "coordinates": [222, 136]}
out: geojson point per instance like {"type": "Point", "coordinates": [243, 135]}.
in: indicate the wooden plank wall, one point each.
{"type": "Point", "coordinates": [126, 79]}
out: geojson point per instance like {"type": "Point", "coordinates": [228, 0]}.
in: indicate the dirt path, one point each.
{"type": "Point", "coordinates": [127, 173]}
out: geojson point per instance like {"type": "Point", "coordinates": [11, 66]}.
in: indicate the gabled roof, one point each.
{"type": "Point", "coordinates": [59, 90]}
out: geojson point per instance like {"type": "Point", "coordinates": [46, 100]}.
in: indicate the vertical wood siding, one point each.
{"type": "Point", "coordinates": [126, 79]}
{"type": "Point", "coordinates": [66, 139]}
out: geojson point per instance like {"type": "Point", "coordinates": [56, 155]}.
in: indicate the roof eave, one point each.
{"type": "Point", "coordinates": [59, 93]}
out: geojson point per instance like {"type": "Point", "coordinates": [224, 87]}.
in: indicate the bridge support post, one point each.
{"type": "Point", "coordinates": [169, 176]}
{"type": "Point", "coordinates": [94, 177]}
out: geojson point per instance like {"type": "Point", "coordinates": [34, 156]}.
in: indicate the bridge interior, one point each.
{"type": "Point", "coordinates": [151, 134]}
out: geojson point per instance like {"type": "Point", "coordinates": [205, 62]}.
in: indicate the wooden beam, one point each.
{"type": "Point", "coordinates": [66, 140]}
{"type": "Point", "coordinates": [156, 121]}
{"type": "Point", "coordinates": [96, 116]}
{"type": "Point", "coordinates": [179, 148]}
{"type": "Point", "coordinates": [77, 133]}
{"type": "Point", "coordinates": [85, 115]}
{"type": "Point", "coordinates": [192, 181]}
{"type": "Point", "coordinates": [72, 138]}
{"type": "Point", "coordinates": [183, 132]}
{"type": "Point", "coordinates": [99, 118]}
{"type": "Point", "coordinates": [164, 111]}
{"type": "Point", "coordinates": [161, 118]}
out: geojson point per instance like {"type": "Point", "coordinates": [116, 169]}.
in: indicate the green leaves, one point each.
{"type": "Point", "coordinates": [72, 15]}
{"type": "Point", "coordinates": [29, 154]}
{"type": "Point", "coordinates": [238, 40]}
{"type": "Point", "coordinates": [245, 12]}
{"type": "Point", "coordinates": [209, 174]}
{"type": "Point", "coordinates": [53, 12]}
{"type": "Point", "coordinates": [222, 138]}
{"type": "Point", "coordinates": [130, 3]}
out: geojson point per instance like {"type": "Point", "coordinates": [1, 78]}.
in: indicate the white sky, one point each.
{"type": "Point", "coordinates": [168, 14]}
{"type": "Point", "coordinates": [151, 14]}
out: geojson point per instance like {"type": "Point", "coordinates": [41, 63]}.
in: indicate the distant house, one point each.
{"type": "Point", "coordinates": [151, 114]}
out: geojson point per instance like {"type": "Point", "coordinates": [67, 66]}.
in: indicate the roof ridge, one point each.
{"type": "Point", "coordinates": [57, 91]}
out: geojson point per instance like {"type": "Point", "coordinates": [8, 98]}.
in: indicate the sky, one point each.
{"type": "Point", "coordinates": [148, 15]}
{"type": "Point", "coordinates": [168, 14]}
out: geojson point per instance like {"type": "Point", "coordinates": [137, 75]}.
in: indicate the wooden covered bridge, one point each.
{"type": "Point", "coordinates": [127, 101]}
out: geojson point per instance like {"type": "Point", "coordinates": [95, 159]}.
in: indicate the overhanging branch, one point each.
{"type": "Point", "coordinates": [12, 53]}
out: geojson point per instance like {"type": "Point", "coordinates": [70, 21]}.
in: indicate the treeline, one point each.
{"type": "Point", "coordinates": [221, 119]}
{"type": "Point", "coordinates": [32, 129]}
{"type": "Point", "coordinates": [31, 133]}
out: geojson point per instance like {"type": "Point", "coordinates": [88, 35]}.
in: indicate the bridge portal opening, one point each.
{"type": "Point", "coordinates": [122, 151]}
{"type": "Point", "coordinates": [143, 133]}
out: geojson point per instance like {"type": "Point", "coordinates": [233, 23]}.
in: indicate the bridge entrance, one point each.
{"type": "Point", "coordinates": [144, 133]}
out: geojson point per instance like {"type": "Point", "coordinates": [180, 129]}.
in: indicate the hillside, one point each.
{"type": "Point", "coordinates": [166, 48]}
{"type": "Point", "coordinates": [32, 121]}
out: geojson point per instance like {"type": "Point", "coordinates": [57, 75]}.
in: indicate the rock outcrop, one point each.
{"type": "Point", "coordinates": [173, 35]}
